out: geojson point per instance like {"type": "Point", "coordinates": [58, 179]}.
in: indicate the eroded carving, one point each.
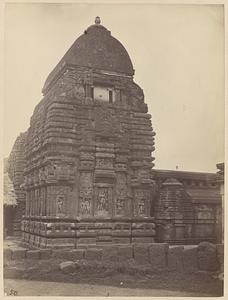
{"type": "Point", "coordinates": [141, 202]}
{"type": "Point", "coordinates": [86, 192]}
{"type": "Point", "coordinates": [102, 201]}
{"type": "Point", "coordinates": [104, 163]}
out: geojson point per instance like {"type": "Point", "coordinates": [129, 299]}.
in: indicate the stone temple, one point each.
{"type": "Point", "coordinates": [83, 171]}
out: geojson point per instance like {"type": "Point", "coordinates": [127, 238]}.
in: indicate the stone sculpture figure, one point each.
{"type": "Point", "coordinates": [60, 204]}
{"type": "Point", "coordinates": [102, 202]}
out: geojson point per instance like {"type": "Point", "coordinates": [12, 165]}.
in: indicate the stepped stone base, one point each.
{"type": "Point", "coordinates": [69, 233]}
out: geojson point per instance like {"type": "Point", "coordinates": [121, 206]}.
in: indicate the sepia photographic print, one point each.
{"type": "Point", "coordinates": [113, 149]}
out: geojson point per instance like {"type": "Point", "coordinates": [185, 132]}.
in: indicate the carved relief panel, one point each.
{"type": "Point", "coordinates": [57, 171]}
{"type": "Point", "coordinates": [104, 163]}
{"type": "Point", "coordinates": [61, 204]}
{"type": "Point", "coordinates": [141, 202]}
{"type": "Point", "coordinates": [143, 174]}
{"type": "Point", "coordinates": [105, 123]}
{"type": "Point", "coordinates": [86, 193]}
{"type": "Point", "coordinates": [43, 201]}
{"type": "Point", "coordinates": [121, 194]}
{"type": "Point", "coordinates": [120, 207]}
{"type": "Point", "coordinates": [103, 199]}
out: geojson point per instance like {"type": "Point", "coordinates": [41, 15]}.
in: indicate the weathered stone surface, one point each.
{"type": "Point", "coordinates": [220, 256]}
{"type": "Point", "coordinates": [18, 253]}
{"type": "Point", "coordinates": [145, 240]}
{"type": "Point", "coordinates": [68, 254]}
{"type": "Point", "coordinates": [33, 254]}
{"type": "Point", "coordinates": [141, 253]}
{"type": "Point", "coordinates": [175, 258]}
{"type": "Point", "coordinates": [67, 266]}
{"type": "Point", "coordinates": [125, 252]}
{"type": "Point", "coordinates": [82, 241]}
{"type": "Point", "coordinates": [207, 257]}
{"type": "Point", "coordinates": [158, 256]}
{"type": "Point", "coordinates": [45, 253]}
{"type": "Point", "coordinates": [110, 253]}
{"type": "Point", "coordinates": [7, 254]}
{"type": "Point", "coordinates": [77, 254]}
{"type": "Point", "coordinates": [94, 254]}
{"type": "Point", "coordinates": [190, 259]}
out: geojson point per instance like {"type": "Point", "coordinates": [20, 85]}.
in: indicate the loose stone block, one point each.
{"type": "Point", "coordinates": [18, 253]}
{"type": "Point", "coordinates": [158, 256]}
{"type": "Point", "coordinates": [67, 266]}
{"type": "Point", "coordinates": [175, 258]}
{"type": "Point", "coordinates": [94, 254]}
{"type": "Point", "coordinates": [190, 259]}
{"type": "Point", "coordinates": [33, 254]}
{"type": "Point", "coordinates": [207, 257]}
{"type": "Point", "coordinates": [141, 253]}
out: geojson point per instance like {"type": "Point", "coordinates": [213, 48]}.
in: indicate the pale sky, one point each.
{"type": "Point", "coordinates": [178, 55]}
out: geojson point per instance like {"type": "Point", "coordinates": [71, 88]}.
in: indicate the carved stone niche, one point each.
{"type": "Point", "coordinates": [51, 171]}
{"type": "Point", "coordinates": [85, 205]}
{"type": "Point", "coordinates": [60, 204]}
{"type": "Point", "coordinates": [120, 207]}
{"type": "Point", "coordinates": [42, 175]}
{"type": "Point", "coordinates": [141, 202]}
{"type": "Point", "coordinates": [106, 124]}
{"type": "Point", "coordinates": [86, 194]}
{"type": "Point", "coordinates": [79, 91]}
{"type": "Point", "coordinates": [103, 201]}
{"type": "Point", "coordinates": [121, 194]}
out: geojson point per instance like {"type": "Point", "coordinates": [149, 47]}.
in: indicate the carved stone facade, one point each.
{"type": "Point", "coordinates": [86, 161]}
{"type": "Point", "coordinates": [187, 207]}
{"type": "Point", "coordinates": [88, 154]}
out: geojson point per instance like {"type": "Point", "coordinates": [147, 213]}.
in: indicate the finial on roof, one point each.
{"type": "Point", "coordinates": [97, 21]}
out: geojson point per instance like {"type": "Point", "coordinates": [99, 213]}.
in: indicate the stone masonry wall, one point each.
{"type": "Point", "coordinates": [89, 160]}
{"type": "Point", "coordinates": [158, 257]}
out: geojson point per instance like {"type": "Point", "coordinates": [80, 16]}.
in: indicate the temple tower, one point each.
{"type": "Point", "coordinates": [89, 151]}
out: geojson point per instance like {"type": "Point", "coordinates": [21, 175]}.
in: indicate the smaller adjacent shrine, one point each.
{"type": "Point", "coordinates": [88, 151]}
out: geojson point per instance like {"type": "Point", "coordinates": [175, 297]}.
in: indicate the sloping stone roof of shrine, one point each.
{"type": "Point", "coordinates": [96, 48]}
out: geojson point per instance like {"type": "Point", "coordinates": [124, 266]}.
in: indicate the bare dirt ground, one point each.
{"type": "Point", "coordinates": [42, 288]}
{"type": "Point", "coordinates": [30, 277]}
